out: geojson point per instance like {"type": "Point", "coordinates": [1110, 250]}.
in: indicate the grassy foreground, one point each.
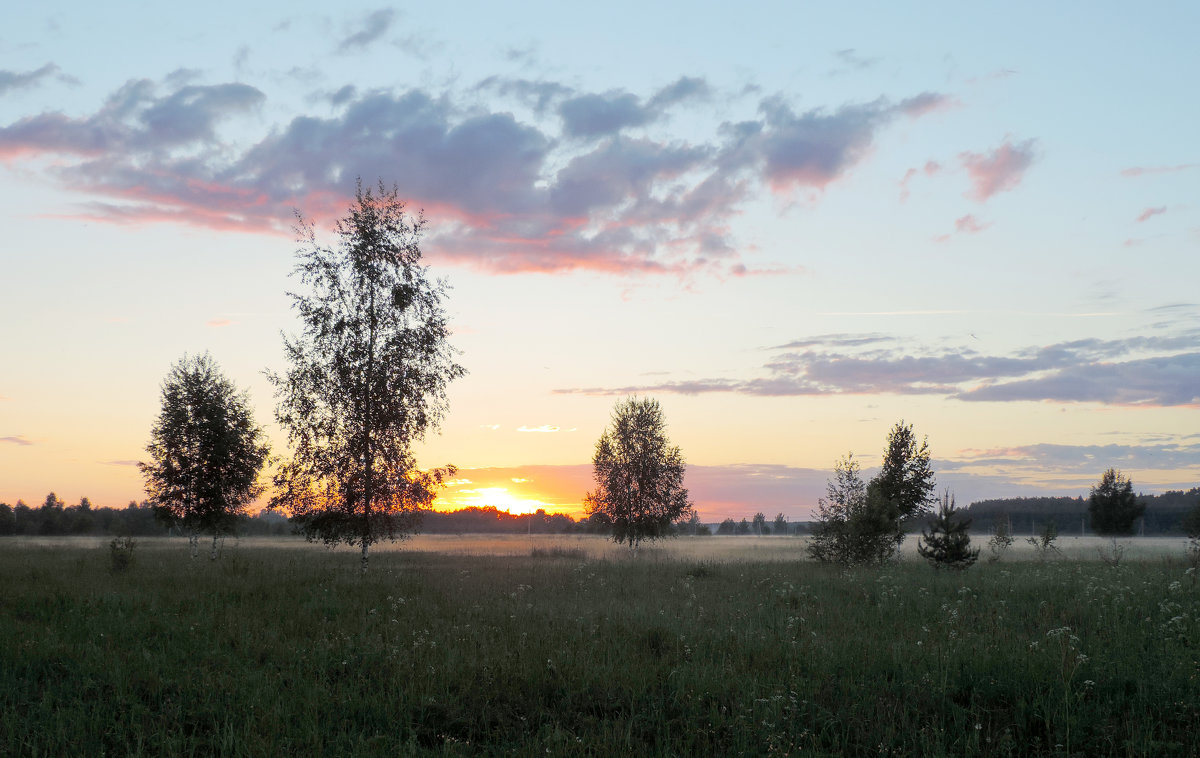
{"type": "Point", "coordinates": [287, 651]}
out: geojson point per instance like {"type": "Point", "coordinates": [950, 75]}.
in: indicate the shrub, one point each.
{"type": "Point", "coordinates": [120, 554]}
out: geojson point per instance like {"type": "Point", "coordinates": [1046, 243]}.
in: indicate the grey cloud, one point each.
{"type": "Point", "coordinates": [596, 115]}
{"type": "Point", "coordinates": [617, 171]}
{"type": "Point", "coordinates": [374, 26]}
{"type": "Point", "coordinates": [134, 120]}
{"type": "Point", "coordinates": [681, 90]}
{"type": "Point", "coordinates": [814, 148]}
{"type": "Point", "coordinates": [1077, 371]}
{"type": "Point", "coordinates": [851, 59]}
{"type": "Point", "coordinates": [1179, 454]}
{"type": "Point", "coordinates": [507, 195]}
{"type": "Point", "coordinates": [1163, 381]}
{"type": "Point", "coordinates": [835, 340]}
{"type": "Point", "coordinates": [343, 95]}
{"type": "Point", "coordinates": [12, 80]}
{"type": "Point", "coordinates": [16, 440]}
{"type": "Point", "coordinates": [536, 93]}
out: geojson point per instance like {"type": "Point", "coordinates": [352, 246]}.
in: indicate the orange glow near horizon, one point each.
{"type": "Point", "coordinates": [497, 488]}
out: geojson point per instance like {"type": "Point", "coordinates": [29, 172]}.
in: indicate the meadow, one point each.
{"type": "Point", "coordinates": [573, 646]}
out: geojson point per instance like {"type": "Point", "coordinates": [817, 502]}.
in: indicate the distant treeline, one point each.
{"type": "Point", "coordinates": [54, 518]}
{"type": "Point", "coordinates": [1029, 515]}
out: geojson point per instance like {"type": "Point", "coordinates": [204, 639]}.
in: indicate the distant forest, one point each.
{"type": "Point", "coordinates": [1027, 515]}
{"type": "Point", "coordinates": [54, 518]}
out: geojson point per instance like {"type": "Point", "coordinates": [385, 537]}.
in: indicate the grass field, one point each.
{"type": "Point", "coordinates": [571, 646]}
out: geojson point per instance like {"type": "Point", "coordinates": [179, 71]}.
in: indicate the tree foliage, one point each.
{"type": "Point", "coordinates": [205, 451]}
{"type": "Point", "coordinates": [906, 477]}
{"type": "Point", "coordinates": [855, 523]}
{"type": "Point", "coordinates": [367, 377]}
{"type": "Point", "coordinates": [638, 474]}
{"type": "Point", "coordinates": [947, 541]}
{"type": "Point", "coordinates": [1113, 506]}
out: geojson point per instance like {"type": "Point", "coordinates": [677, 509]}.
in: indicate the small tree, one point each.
{"type": "Point", "coordinates": [947, 542]}
{"type": "Point", "coordinates": [855, 523]}
{"type": "Point", "coordinates": [367, 379]}
{"type": "Point", "coordinates": [1002, 538]}
{"type": "Point", "coordinates": [781, 524]}
{"type": "Point", "coordinates": [1044, 544]}
{"type": "Point", "coordinates": [639, 475]}
{"type": "Point", "coordinates": [906, 476]}
{"type": "Point", "coordinates": [1113, 506]}
{"type": "Point", "coordinates": [759, 524]}
{"type": "Point", "coordinates": [205, 451]}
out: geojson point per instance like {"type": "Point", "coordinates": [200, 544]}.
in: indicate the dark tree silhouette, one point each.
{"type": "Point", "coordinates": [759, 524]}
{"type": "Point", "coordinates": [781, 524]}
{"type": "Point", "coordinates": [947, 541]}
{"type": "Point", "coordinates": [1113, 506]}
{"type": "Point", "coordinates": [367, 378]}
{"type": "Point", "coordinates": [855, 524]}
{"type": "Point", "coordinates": [205, 451]}
{"type": "Point", "coordinates": [906, 477]}
{"type": "Point", "coordinates": [639, 475]}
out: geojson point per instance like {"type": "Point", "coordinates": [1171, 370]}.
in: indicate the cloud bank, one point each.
{"type": "Point", "coordinates": [586, 184]}
{"type": "Point", "coordinates": [1139, 371]}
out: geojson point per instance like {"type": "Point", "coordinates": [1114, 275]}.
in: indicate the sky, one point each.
{"type": "Point", "coordinates": [793, 224]}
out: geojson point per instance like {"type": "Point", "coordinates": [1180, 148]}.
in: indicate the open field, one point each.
{"type": "Point", "coordinates": [703, 646]}
{"type": "Point", "coordinates": [595, 547]}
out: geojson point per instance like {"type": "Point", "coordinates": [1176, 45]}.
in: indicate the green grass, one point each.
{"type": "Point", "coordinates": [288, 651]}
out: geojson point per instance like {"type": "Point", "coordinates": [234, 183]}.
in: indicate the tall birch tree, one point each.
{"type": "Point", "coordinates": [367, 377]}
{"type": "Point", "coordinates": [205, 451]}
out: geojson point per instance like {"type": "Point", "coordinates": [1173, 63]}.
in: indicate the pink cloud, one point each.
{"type": "Point", "coordinates": [1151, 212]}
{"type": "Point", "coordinates": [503, 195]}
{"type": "Point", "coordinates": [219, 322]}
{"type": "Point", "coordinates": [968, 224]}
{"type": "Point", "coordinates": [1144, 170]}
{"type": "Point", "coordinates": [931, 168]}
{"type": "Point", "coordinates": [997, 171]}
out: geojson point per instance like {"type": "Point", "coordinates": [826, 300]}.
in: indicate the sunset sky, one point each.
{"type": "Point", "coordinates": [793, 224]}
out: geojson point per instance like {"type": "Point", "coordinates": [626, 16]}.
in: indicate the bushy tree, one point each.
{"type": "Point", "coordinates": [947, 541]}
{"type": "Point", "coordinates": [906, 477]}
{"type": "Point", "coordinates": [781, 524]}
{"type": "Point", "coordinates": [727, 527]}
{"type": "Point", "coordinates": [367, 378]}
{"type": "Point", "coordinates": [855, 523]}
{"type": "Point", "coordinates": [759, 524]}
{"type": "Point", "coordinates": [1113, 506]}
{"type": "Point", "coordinates": [638, 474]}
{"type": "Point", "coordinates": [205, 451]}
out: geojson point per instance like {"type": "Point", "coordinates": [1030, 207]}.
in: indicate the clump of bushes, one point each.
{"type": "Point", "coordinates": [120, 554]}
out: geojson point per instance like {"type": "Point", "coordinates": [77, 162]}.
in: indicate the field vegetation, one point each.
{"type": "Point", "coordinates": [570, 647]}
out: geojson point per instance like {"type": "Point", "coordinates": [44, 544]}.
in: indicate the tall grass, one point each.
{"type": "Point", "coordinates": [289, 651]}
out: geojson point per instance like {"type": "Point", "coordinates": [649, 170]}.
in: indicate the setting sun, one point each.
{"type": "Point", "coordinates": [497, 497]}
